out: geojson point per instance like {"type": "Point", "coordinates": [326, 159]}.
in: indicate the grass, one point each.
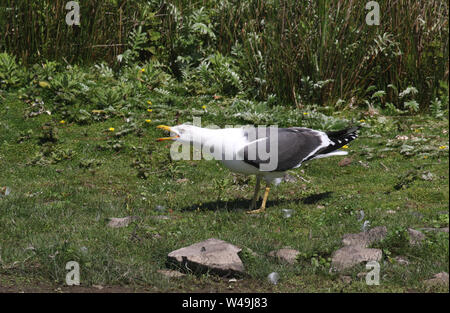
{"type": "Point", "coordinates": [63, 192]}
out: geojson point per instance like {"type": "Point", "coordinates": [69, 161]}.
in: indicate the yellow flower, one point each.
{"type": "Point", "coordinates": [425, 156]}
{"type": "Point", "coordinates": [143, 70]}
{"type": "Point", "coordinates": [442, 147]}
{"type": "Point", "coordinates": [362, 121]}
{"type": "Point", "coordinates": [62, 122]}
{"type": "Point", "coordinates": [148, 121]}
{"type": "Point", "coordinates": [111, 129]}
{"type": "Point", "coordinates": [344, 147]}
{"type": "Point", "coordinates": [149, 102]}
{"type": "Point", "coordinates": [417, 130]}
{"type": "Point", "coordinates": [204, 107]}
{"type": "Point", "coordinates": [305, 113]}
{"type": "Point", "coordinates": [149, 110]}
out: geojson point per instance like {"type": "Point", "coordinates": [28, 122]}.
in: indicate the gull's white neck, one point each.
{"type": "Point", "coordinates": [231, 138]}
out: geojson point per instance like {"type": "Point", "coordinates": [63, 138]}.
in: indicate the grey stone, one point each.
{"type": "Point", "coordinates": [212, 255]}
{"type": "Point", "coordinates": [345, 161]}
{"type": "Point", "coordinates": [116, 222]}
{"type": "Point", "coordinates": [443, 229]}
{"type": "Point", "coordinates": [438, 279]}
{"type": "Point", "coordinates": [287, 213]}
{"type": "Point", "coordinates": [401, 260]}
{"type": "Point", "coordinates": [350, 256]}
{"type": "Point", "coordinates": [160, 208]}
{"type": "Point", "coordinates": [289, 179]}
{"type": "Point", "coordinates": [363, 239]}
{"type": "Point", "coordinates": [415, 237]}
{"type": "Point", "coordinates": [4, 191]}
{"type": "Point", "coordinates": [285, 255]}
{"type": "Point", "coordinates": [346, 279]}
{"type": "Point", "coordinates": [273, 277]}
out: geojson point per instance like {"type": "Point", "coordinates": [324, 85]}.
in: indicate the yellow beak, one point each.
{"type": "Point", "coordinates": [164, 127]}
{"type": "Point", "coordinates": [168, 129]}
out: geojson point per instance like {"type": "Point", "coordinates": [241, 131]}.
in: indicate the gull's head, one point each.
{"type": "Point", "coordinates": [182, 133]}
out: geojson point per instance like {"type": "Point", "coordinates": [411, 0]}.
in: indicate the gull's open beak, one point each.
{"type": "Point", "coordinates": [169, 130]}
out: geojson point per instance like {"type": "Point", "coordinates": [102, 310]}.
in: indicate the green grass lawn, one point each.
{"type": "Point", "coordinates": [63, 192]}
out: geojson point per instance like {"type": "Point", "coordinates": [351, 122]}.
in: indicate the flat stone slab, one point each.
{"type": "Point", "coordinates": [350, 256]}
{"type": "Point", "coordinates": [364, 239]}
{"type": "Point", "coordinates": [443, 229]}
{"type": "Point", "coordinates": [438, 279]}
{"type": "Point", "coordinates": [415, 237]}
{"type": "Point", "coordinates": [285, 255]}
{"type": "Point", "coordinates": [212, 255]}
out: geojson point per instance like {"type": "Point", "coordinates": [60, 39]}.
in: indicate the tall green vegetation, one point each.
{"type": "Point", "coordinates": [34, 29]}
{"type": "Point", "coordinates": [303, 52]}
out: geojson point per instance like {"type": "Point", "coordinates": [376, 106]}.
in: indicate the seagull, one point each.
{"type": "Point", "coordinates": [267, 152]}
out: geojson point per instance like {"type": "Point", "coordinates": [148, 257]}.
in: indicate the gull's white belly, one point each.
{"type": "Point", "coordinates": [240, 167]}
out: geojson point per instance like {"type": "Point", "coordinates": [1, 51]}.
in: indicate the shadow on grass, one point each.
{"type": "Point", "coordinates": [243, 204]}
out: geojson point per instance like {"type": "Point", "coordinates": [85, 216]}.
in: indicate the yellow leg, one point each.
{"type": "Point", "coordinates": [263, 204]}
{"type": "Point", "coordinates": [255, 195]}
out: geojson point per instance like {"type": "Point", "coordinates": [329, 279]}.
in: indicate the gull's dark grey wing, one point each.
{"type": "Point", "coordinates": [291, 146]}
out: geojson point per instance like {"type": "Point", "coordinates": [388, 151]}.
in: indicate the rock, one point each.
{"type": "Point", "coordinates": [212, 255]}
{"type": "Point", "coordinates": [116, 222]}
{"type": "Point", "coordinates": [171, 273]}
{"type": "Point", "coordinates": [350, 256]}
{"type": "Point", "coordinates": [4, 191]}
{"type": "Point", "coordinates": [355, 249]}
{"type": "Point", "coordinates": [401, 260]}
{"type": "Point", "coordinates": [287, 213]}
{"type": "Point", "coordinates": [438, 279]}
{"type": "Point", "coordinates": [285, 255]}
{"type": "Point", "coordinates": [289, 179]}
{"type": "Point", "coordinates": [427, 176]}
{"type": "Point", "coordinates": [365, 226]}
{"type": "Point", "coordinates": [273, 277]}
{"type": "Point", "coordinates": [363, 239]}
{"type": "Point", "coordinates": [443, 229]}
{"type": "Point", "coordinates": [160, 208]}
{"type": "Point", "coordinates": [346, 279]}
{"type": "Point", "coordinates": [345, 161]}
{"type": "Point", "coordinates": [415, 237]}
{"type": "Point", "coordinates": [362, 275]}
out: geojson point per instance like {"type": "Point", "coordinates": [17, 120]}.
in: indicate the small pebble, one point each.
{"type": "Point", "coordinates": [160, 208]}
{"type": "Point", "coordinates": [361, 215]}
{"type": "Point", "coordinates": [287, 213]}
{"type": "Point", "coordinates": [273, 277]}
{"type": "Point", "coordinates": [365, 226]}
